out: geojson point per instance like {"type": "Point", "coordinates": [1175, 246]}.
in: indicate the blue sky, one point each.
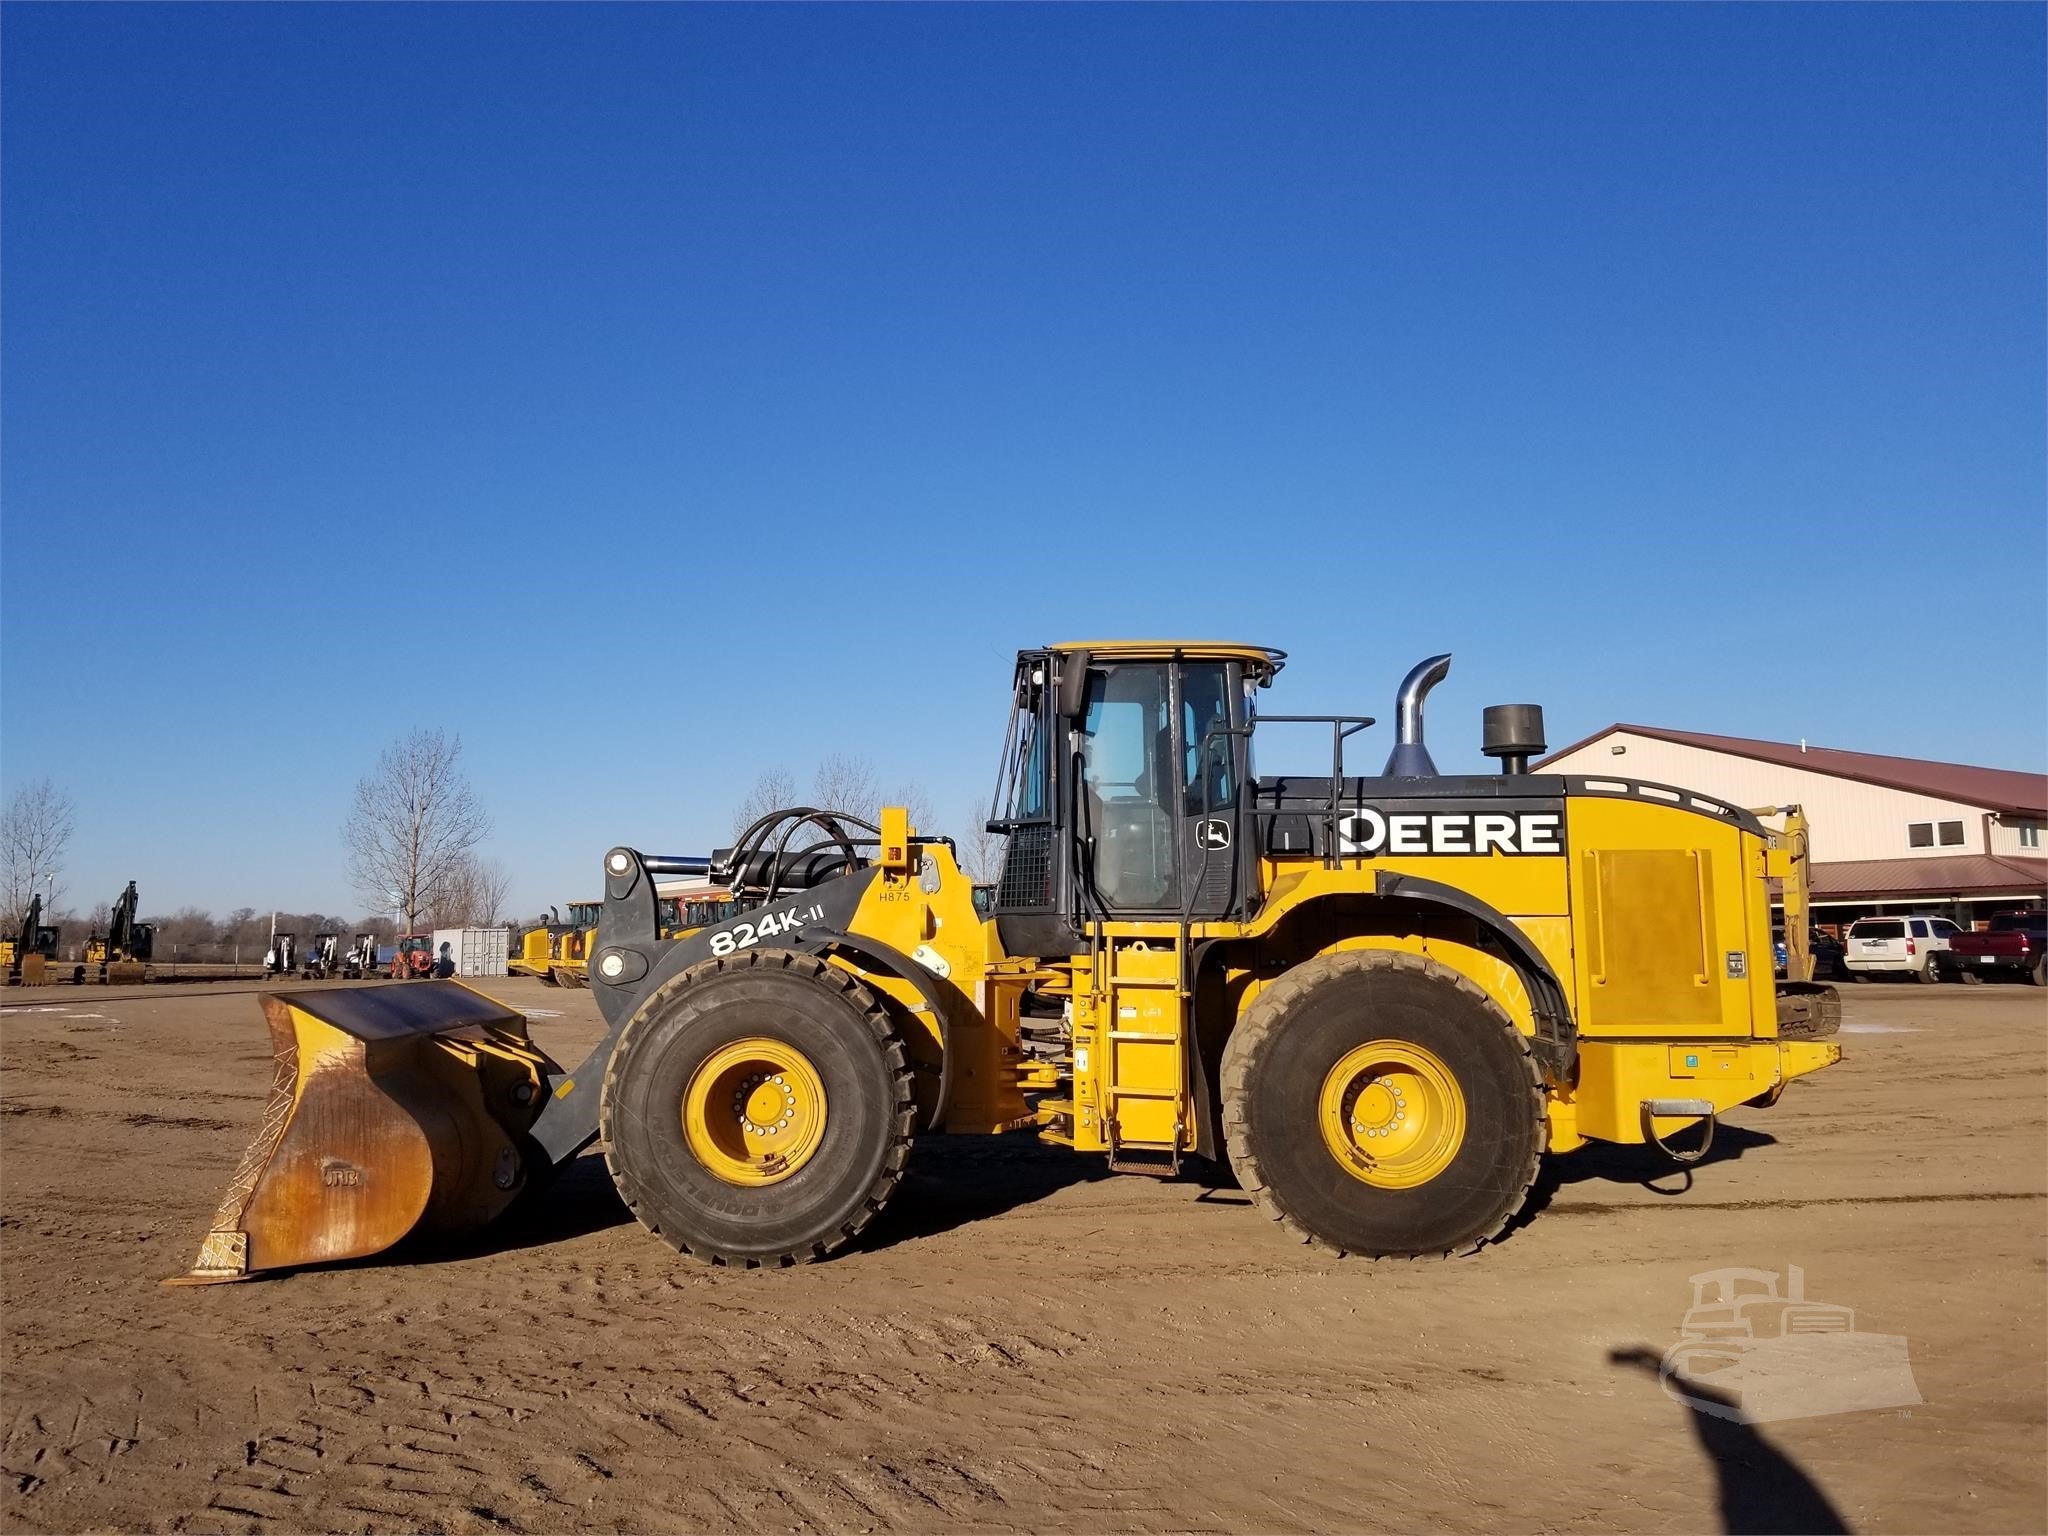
{"type": "Point", "coordinates": [653, 395]}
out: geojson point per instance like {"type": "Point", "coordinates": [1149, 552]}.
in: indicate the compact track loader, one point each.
{"type": "Point", "coordinates": [1382, 999]}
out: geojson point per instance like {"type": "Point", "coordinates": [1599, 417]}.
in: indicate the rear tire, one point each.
{"type": "Point", "coordinates": [777, 1000]}
{"type": "Point", "coordinates": [1296, 1040]}
{"type": "Point", "coordinates": [1931, 971]}
{"type": "Point", "coordinates": [2039, 974]}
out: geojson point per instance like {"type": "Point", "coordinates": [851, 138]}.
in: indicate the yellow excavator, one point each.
{"type": "Point", "coordinates": [30, 954]}
{"type": "Point", "coordinates": [124, 952]}
{"type": "Point", "coordinates": [1382, 999]}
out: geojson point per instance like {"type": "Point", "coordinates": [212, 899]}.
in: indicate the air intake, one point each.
{"type": "Point", "coordinates": [1514, 734]}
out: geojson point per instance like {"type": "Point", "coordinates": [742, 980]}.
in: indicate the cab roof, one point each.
{"type": "Point", "coordinates": [1265, 658]}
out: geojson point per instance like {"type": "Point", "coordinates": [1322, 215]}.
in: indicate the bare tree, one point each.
{"type": "Point", "coordinates": [473, 895]}
{"type": "Point", "coordinates": [981, 851]}
{"type": "Point", "coordinates": [414, 823]}
{"type": "Point", "coordinates": [843, 782]}
{"type": "Point", "coordinates": [34, 832]}
{"type": "Point", "coordinates": [774, 789]}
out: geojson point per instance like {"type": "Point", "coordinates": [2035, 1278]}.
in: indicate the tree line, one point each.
{"type": "Point", "coordinates": [847, 782]}
{"type": "Point", "coordinates": [411, 838]}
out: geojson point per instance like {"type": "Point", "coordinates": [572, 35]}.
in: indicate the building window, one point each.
{"type": "Point", "coordinates": [1951, 834]}
{"type": "Point", "coordinates": [1919, 834]}
{"type": "Point", "coordinates": [2030, 834]}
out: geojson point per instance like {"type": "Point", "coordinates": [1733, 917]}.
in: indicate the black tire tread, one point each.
{"type": "Point", "coordinates": [1822, 1019]}
{"type": "Point", "coordinates": [873, 1015]}
{"type": "Point", "coordinates": [1257, 1027]}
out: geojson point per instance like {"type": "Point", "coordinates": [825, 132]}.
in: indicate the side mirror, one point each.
{"type": "Point", "coordinates": [1073, 700]}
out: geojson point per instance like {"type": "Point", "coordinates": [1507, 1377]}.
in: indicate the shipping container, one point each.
{"type": "Point", "coordinates": [476, 951]}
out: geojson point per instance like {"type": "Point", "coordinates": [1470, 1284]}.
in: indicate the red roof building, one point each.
{"type": "Point", "coordinates": [1888, 833]}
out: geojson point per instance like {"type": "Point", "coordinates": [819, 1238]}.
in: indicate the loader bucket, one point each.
{"type": "Point", "coordinates": [393, 1110]}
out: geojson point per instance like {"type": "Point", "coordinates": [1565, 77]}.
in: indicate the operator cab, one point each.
{"type": "Point", "coordinates": [1122, 776]}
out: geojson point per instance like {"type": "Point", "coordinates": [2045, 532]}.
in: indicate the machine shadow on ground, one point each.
{"type": "Point", "coordinates": [1645, 1166]}
{"type": "Point", "coordinates": [580, 1199]}
{"type": "Point", "coordinates": [1761, 1489]}
{"type": "Point", "coordinates": [953, 1181]}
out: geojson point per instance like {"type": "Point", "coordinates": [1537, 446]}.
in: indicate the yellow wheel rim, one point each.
{"type": "Point", "coordinates": [1391, 1114]}
{"type": "Point", "coordinates": [754, 1111]}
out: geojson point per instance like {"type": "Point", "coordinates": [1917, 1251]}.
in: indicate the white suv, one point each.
{"type": "Point", "coordinates": [1913, 946]}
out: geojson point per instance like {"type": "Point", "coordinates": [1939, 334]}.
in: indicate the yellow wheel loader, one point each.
{"type": "Point", "coordinates": [558, 952]}
{"type": "Point", "coordinates": [1381, 999]}
{"type": "Point", "coordinates": [554, 951]}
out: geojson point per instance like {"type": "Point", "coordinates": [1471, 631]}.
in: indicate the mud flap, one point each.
{"type": "Point", "coordinates": [392, 1111]}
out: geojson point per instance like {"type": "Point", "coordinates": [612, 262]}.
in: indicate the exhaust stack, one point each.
{"type": "Point", "coordinates": [1410, 759]}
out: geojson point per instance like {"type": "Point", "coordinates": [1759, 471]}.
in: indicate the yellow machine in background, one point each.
{"type": "Point", "coordinates": [558, 952]}
{"type": "Point", "coordinates": [123, 953]}
{"type": "Point", "coordinates": [1382, 999]}
{"type": "Point", "coordinates": [29, 955]}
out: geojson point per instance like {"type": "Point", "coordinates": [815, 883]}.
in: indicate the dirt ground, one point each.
{"type": "Point", "coordinates": [1021, 1343]}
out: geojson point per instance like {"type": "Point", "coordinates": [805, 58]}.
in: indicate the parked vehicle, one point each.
{"type": "Point", "coordinates": [2016, 942]}
{"type": "Point", "coordinates": [1900, 946]}
{"type": "Point", "coordinates": [1826, 952]}
{"type": "Point", "coordinates": [413, 958]}
{"type": "Point", "coordinates": [322, 958]}
{"type": "Point", "coordinates": [361, 959]}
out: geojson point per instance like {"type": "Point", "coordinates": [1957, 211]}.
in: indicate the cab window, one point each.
{"type": "Point", "coordinates": [1126, 776]}
{"type": "Point", "coordinates": [1205, 708]}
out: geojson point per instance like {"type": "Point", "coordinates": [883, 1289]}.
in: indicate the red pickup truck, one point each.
{"type": "Point", "coordinates": [2015, 941]}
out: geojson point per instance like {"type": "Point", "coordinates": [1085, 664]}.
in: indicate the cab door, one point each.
{"type": "Point", "coordinates": [1213, 761]}
{"type": "Point", "coordinates": [1161, 752]}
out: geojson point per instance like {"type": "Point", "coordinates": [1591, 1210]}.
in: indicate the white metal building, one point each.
{"type": "Point", "coordinates": [1889, 834]}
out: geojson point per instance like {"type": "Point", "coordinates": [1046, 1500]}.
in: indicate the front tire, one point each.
{"type": "Point", "coordinates": [1376, 1102]}
{"type": "Point", "coordinates": [758, 1109]}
